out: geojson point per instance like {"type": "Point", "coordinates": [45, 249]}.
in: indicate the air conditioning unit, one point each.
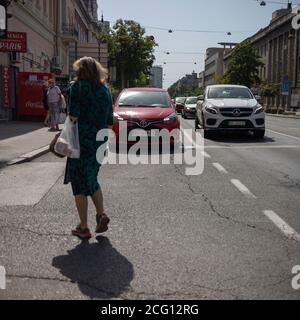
{"type": "Point", "coordinates": [56, 60]}
{"type": "Point", "coordinates": [15, 57]}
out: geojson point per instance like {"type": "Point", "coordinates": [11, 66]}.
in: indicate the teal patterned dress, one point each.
{"type": "Point", "coordinates": [92, 104]}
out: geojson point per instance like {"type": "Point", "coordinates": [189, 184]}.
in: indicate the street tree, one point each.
{"type": "Point", "coordinates": [243, 68]}
{"type": "Point", "coordinates": [131, 51]}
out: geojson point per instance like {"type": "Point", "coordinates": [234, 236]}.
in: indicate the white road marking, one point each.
{"type": "Point", "coordinates": [220, 168]}
{"type": "Point", "coordinates": [206, 155]}
{"type": "Point", "coordinates": [283, 134]}
{"type": "Point", "coordinates": [282, 225]}
{"type": "Point", "coordinates": [243, 189]}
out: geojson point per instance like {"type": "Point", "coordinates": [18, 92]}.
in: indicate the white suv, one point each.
{"type": "Point", "coordinates": [230, 107]}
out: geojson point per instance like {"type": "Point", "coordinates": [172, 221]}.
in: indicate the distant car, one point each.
{"type": "Point", "coordinates": [189, 107]}
{"type": "Point", "coordinates": [230, 107]}
{"type": "Point", "coordinates": [179, 104]}
{"type": "Point", "coordinates": [144, 108]}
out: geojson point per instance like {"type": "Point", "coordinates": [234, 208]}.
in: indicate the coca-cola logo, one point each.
{"type": "Point", "coordinates": [38, 83]}
{"type": "Point", "coordinates": [34, 105]}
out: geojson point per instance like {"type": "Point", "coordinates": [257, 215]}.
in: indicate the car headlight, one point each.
{"type": "Point", "coordinates": [117, 117]}
{"type": "Point", "coordinates": [211, 110]}
{"type": "Point", "coordinates": [259, 110]}
{"type": "Point", "coordinates": [171, 118]}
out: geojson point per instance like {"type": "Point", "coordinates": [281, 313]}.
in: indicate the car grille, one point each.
{"type": "Point", "coordinates": [236, 112]}
{"type": "Point", "coordinates": [226, 125]}
{"type": "Point", "coordinates": [145, 125]}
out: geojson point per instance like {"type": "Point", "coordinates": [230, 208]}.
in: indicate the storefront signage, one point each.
{"type": "Point", "coordinates": [5, 74]}
{"type": "Point", "coordinates": [15, 42]}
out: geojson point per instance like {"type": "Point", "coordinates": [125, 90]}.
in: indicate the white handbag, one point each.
{"type": "Point", "coordinates": [68, 142]}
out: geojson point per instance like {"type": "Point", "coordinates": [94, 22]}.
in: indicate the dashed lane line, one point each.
{"type": "Point", "coordinates": [220, 168]}
{"type": "Point", "coordinates": [288, 231]}
{"type": "Point", "coordinates": [243, 189]}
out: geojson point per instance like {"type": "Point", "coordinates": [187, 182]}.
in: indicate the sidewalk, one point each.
{"type": "Point", "coordinates": [19, 138]}
{"type": "Point", "coordinates": [291, 116]}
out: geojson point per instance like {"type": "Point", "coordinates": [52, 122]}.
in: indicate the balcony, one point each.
{"type": "Point", "coordinates": [69, 33]}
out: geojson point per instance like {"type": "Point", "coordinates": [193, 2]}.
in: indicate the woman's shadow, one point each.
{"type": "Point", "coordinates": [100, 271]}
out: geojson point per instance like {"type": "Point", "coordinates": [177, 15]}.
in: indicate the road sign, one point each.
{"type": "Point", "coordinates": [285, 86]}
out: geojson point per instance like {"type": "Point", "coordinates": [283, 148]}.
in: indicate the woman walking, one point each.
{"type": "Point", "coordinates": [45, 103]}
{"type": "Point", "coordinates": [54, 98]}
{"type": "Point", "coordinates": [91, 107]}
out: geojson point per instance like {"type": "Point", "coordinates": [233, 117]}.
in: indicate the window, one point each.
{"type": "Point", "coordinates": [144, 98]}
{"type": "Point", "coordinates": [229, 93]}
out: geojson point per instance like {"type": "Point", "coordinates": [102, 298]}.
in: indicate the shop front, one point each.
{"type": "Point", "coordinates": [31, 94]}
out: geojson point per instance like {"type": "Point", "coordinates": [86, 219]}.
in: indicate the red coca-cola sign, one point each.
{"type": "Point", "coordinates": [15, 42]}
{"type": "Point", "coordinates": [31, 94]}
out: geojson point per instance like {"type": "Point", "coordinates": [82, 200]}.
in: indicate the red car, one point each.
{"type": "Point", "coordinates": [147, 109]}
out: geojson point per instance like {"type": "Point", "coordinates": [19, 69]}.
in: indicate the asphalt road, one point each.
{"type": "Point", "coordinates": [229, 233]}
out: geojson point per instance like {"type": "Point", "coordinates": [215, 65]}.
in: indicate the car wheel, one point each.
{"type": "Point", "coordinates": [183, 115]}
{"type": "Point", "coordinates": [259, 134]}
{"type": "Point", "coordinates": [208, 134]}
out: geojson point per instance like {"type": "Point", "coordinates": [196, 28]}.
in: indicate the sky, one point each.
{"type": "Point", "coordinates": [240, 17]}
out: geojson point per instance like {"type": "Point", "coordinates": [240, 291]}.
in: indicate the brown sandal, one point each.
{"type": "Point", "coordinates": [102, 223]}
{"type": "Point", "coordinates": [81, 233]}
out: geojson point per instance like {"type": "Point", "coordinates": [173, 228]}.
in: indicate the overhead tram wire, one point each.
{"type": "Point", "coordinates": [179, 52]}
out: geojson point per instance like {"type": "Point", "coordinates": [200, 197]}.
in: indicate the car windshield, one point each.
{"type": "Point", "coordinates": [192, 100]}
{"type": "Point", "coordinates": [144, 99]}
{"type": "Point", "coordinates": [229, 93]}
{"type": "Point", "coordinates": [180, 100]}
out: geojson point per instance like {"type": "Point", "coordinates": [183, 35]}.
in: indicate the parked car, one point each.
{"type": "Point", "coordinates": [189, 107]}
{"type": "Point", "coordinates": [144, 108]}
{"type": "Point", "coordinates": [179, 104]}
{"type": "Point", "coordinates": [230, 107]}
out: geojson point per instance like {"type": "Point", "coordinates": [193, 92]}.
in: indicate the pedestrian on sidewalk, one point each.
{"type": "Point", "coordinates": [45, 103]}
{"type": "Point", "coordinates": [91, 107]}
{"type": "Point", "coordinates": [54, 99]}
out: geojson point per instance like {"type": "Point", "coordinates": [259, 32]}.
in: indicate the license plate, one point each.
{"type": "Point", "coordinates": [237, 123]}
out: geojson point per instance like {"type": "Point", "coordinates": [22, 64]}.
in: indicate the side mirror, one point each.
{"type": "Point", "coordinates": [258, 98]}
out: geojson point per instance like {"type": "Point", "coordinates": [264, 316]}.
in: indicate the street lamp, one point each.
{"type": "Point", "coordinates": [264, 3]}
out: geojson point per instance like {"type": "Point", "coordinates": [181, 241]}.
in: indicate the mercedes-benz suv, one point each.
{"type": "Point", "coordinates": [230, 107]}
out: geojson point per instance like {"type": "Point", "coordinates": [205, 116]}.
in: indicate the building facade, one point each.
{"type": "Point", "coordinates": [156, 77]}
{"type": "Point", "coordinates": [213, 65]}
{"type": "Point", "coordinates": [278, 45]}
{"type": "Point", "coordinates": [56, 32]}
{"type": "Point", "coordinates": [201, 79]}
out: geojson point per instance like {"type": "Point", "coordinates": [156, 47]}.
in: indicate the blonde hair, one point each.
{"type": "Point", "coordinates": [87, 68]}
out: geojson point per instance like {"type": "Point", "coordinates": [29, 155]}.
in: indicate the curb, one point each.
{"type": "Point", "coordinates": [29, 156]}
{"type": "Point", "coordinates": [283, 116]}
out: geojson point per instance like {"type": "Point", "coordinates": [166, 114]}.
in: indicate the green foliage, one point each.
{"type": "Point", "coordinates": [270, 89]}
{"type": "Point", "coordinates": [180, 90]}
{"type": "Point", "coordinates": [243, 68]}
{"type": "Point", "coordinates": [131, 51]}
